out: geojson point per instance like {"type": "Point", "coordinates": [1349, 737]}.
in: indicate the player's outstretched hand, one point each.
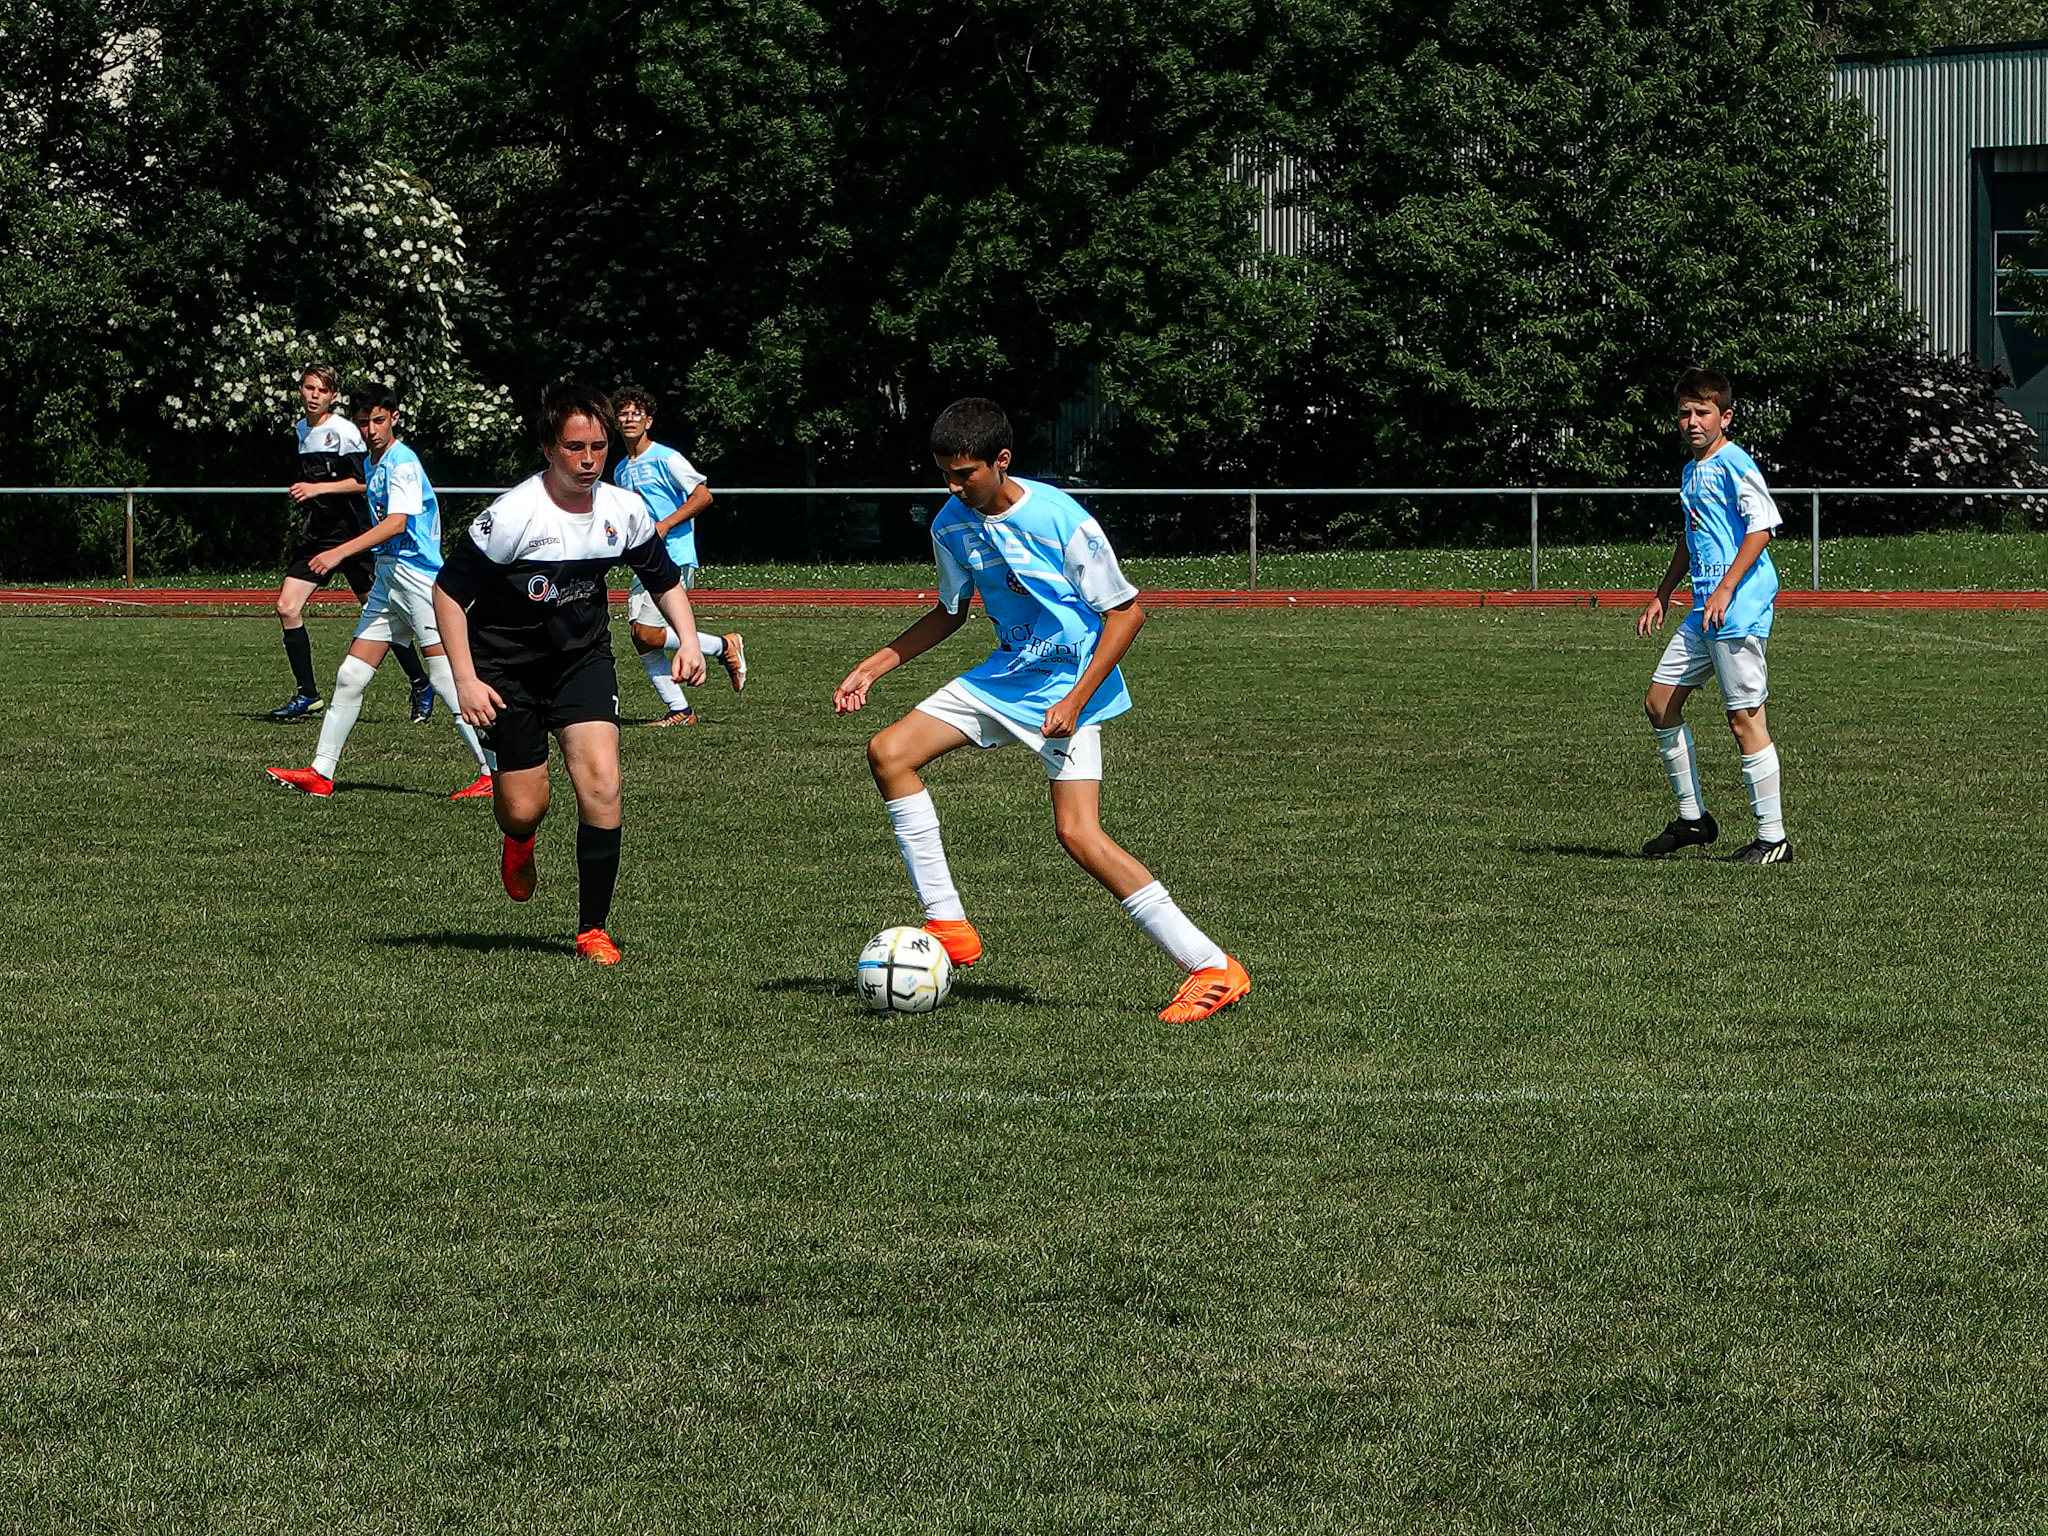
{"type": "Point", "coordinates": [478, 702]}
{"type": "Point", "coordinates": [322, 564]}
{"type": "Point", "coordinates": [299, 490]}
{"type": "Point", "coordinates": [1652, 617]}
{"type": "Point", "coordinates": [851, 694]}
{"type": "Point", "coordinates": [688, 667]}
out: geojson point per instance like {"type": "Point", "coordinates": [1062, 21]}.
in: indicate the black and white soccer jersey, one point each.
{"type": "Point", "coordinates": [334, 450]}
{"type": "Point", "coordinates": [532, 576]}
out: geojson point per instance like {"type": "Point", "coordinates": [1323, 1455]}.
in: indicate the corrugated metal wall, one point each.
{"type": "Point", "coordinates": [1929, 113]}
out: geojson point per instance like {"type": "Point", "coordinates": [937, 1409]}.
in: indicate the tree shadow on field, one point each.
{"type": "Point", "coordinates": [972, 991]}
{"type": "Point", "coordinates": [1577, 851]}
{"type": "Point", "coordinates": [482, 943]}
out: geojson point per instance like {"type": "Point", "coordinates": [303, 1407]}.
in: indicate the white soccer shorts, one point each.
{"type": "Point", "coordinates": [1736, 662]}
{"type": "Point", "coordinates": [400, 607]}
{"type": "Point", "coordinates": [1079, 756]}
{"type": "Point", "coordinates": [640, 607]}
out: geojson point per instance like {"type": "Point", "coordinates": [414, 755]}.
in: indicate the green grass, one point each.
{"type": "Point", "coordinates": [1963, 559]}
{"type": "Point", "coordinates": [1535, 1188]}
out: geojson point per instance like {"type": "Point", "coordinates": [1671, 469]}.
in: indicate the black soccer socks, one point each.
{"type": "Point", "coordinates": [298, 650]}
{"type": "Point", "coordinates": [597, 872]}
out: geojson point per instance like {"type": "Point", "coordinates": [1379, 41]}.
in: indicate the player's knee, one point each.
{"type": "Point", "coordinates": [290, 612]}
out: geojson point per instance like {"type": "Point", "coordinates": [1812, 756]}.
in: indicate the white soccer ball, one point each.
{"type": "Point", "coordinates": [904, 970]}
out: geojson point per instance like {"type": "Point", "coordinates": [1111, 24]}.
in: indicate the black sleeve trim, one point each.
{"type": "Point", "coordinates": [465, 572]}
{"type": "Point", "coordinates": [656, 568]}
{"type": "Point", "coordinates": [357, 465]}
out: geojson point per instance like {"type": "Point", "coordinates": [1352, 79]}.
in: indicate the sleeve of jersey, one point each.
{"type": "Point", "coordinates": [956, 582]}
{"type": "Point", "coordinates": [652, 563]}
{"type": "Point", "coordinates": [466, 571]}
{"type": "Point", "coordinates": [684, 476]}
{"type": "Point", "coordinates": [1753, 498]}
{"type": "Point", "coordinates": [353, 466]}
{"type": "Point", "coordinates": [405, 499]}
{"type": "Point", "coordinates": [1092, 569]}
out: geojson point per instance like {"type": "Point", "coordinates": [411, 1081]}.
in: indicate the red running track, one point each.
{"type": "Point", "coordinates": [805, 597]}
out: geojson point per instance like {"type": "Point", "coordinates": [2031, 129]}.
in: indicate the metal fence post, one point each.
{"type": "Point", "coordinates": [130, 539]}
{"type": "Point", "coordinates": [1254, 546]}
{"type": "Point", "coordinates": [1535, 569]}
{"type": "Point", "coordinates": [1816, 541]}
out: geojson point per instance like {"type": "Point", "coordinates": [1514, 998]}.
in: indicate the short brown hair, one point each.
{"type": "Point", "coordinates": [1705, 384]}
{"type": "Point", "coordinates": [561, 401]}
{"type": "Point", "coordinates": [324, 372]}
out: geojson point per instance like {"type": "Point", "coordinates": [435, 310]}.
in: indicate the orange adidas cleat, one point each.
{"type": "Point", "coordinates": [1204, 992]}
{"type": "Point", "coordinates": [596, 944]}
{"type": "Point", "coordinates": [311, 780]}
{"type": "Point", "coordinates": [962, 943]}
{"type": "Point", "coordinates": [516, 869]}
{"type": "Point", "coordinates": [480, 790]}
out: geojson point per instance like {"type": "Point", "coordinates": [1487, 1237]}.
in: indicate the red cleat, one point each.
{"type": "Point", "coordinates": [1204, 992]}
{"type": "Point", "coordinates": [962, 943]}
{"type": "Point", "coordinates": [480, 790]}
{"type": "Point", "coordinates": [596, 944]}
{"type": "Point", "coordinates": [307, 779]}
{"type": "Point", "coordinates": [516, 868]}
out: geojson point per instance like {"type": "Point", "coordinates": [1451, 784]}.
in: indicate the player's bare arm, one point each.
{"type": "Point", "coordinates": [325, 563]}
{"type": "Point", "coordinates": [934, 627]}
{"type": "Point", "coordinates": [1746, 555]}
{"type": "Point", "coordinates": [694, 503]}
{"type": "Point", "coordinates": [302, 490]}
{"type": "Point", "coordinates": [1120, 626]}
{"type": "Point", "coordinates": [688, 665]}
{"type": "Point", "coordinates": [475, 700]}
{"type": "Point", "coordinates": [1652, 617]}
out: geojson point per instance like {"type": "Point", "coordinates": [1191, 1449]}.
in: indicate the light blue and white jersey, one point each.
{"type": "Point", "coordinates": [1046, 574]}
{"type": "Point", "coordinates": [398, 486]}
{"type": "Point", "coordinates": [664, 479]}
{"type": "Point", "coordinates": [1725, 500]}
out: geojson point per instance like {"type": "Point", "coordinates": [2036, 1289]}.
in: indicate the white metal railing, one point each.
{"type": "Point", "coordinates": [1249, 494]}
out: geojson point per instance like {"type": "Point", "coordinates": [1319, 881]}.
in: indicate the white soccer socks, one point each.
{"type": "Point", "coordinates": [342, 710]}
{"type": "Point", "coordinates": [916, 822]}
{"type": "Point", "coordinates": [1682, 768]}
{"type": "Point", "coordinates": [1163, 922]}
{"type": "Point", "coordinates": [1760, 773]}
{"type": "Point", "coordinates": [442, 676]}
{"type": "Point", "coordinates": [656, 663]}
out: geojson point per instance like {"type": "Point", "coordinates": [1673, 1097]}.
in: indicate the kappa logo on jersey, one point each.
{"type": "Point", "coordinates": [540, 542]}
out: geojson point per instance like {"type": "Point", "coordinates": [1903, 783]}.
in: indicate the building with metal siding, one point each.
{"type": "Point", "coordinates": [1964, 135]}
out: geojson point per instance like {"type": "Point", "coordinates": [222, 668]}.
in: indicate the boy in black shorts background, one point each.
{"type": "Point", "coordinates": [524, 614]}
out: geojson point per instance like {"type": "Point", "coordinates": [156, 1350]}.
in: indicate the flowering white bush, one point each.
{"type": "Point", "coordinates": [392, 254]}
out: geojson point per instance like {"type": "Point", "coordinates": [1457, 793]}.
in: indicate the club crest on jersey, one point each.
{"type": "Point", "coordinates": [611, 534]}
{"type": "Point", "coordinates": [1015, 584]}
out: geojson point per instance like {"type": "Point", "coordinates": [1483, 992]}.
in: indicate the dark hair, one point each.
{"type": "Point", "coordinates": [633, 394]}
{"type": "Point", "coordinates": [558, 402]}
{"type": "Point", "coordinates": [1705, 384]}
{"type": "Point", "coordinates": [973, 428]}
{"type": "Point", "coordinates": [372, 395]}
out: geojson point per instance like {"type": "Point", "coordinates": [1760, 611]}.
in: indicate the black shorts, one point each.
{"type": "Point", "coordinates": [545, 698]}
{"type": "Point", "coordinates": [357, 570]}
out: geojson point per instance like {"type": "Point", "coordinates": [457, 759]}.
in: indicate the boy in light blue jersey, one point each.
{"type": "Point", "coordinates": [1064, 616]}
{"type": "Point", "coordinates": [675, 493]}
{"type": "Point", "coordinates": [1729, 519]}
{"type": "Point", "coordinates": [405, 537]}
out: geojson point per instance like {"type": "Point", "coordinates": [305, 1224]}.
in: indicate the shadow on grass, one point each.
{"type": "Point", "coordinates": [973, 991]}
{"type": "Point", "coordinates": [482, 943]}
{"type": "Point", "coordinates": [355, 787]}
{"type": "Point", "coordinates": [1579, 851]}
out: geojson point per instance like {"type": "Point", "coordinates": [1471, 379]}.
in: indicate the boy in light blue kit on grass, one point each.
{"type": "Point", "coordinates": [1064, 616]}
{"type": "Point", "coordinates": [1729, 518]}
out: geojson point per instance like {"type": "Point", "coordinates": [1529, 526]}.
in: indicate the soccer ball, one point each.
{"type": "Point", "coordinates": [904, 970]}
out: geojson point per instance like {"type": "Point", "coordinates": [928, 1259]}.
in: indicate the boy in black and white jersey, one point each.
{"type": "Point", "coordinates": [330, 487]}
{"type": "Point", "coordinates": [524, 614]}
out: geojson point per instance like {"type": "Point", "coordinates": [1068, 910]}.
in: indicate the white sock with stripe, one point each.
{"type": "Point", "coordinates": [342, 710]}
{"type": "Point", "coordinates": [1760, 773]}
{"type": "Point", "coordinates": [1682, 768]}
{"type": "Point", "coordinates": [916, 821]}
{"type": "Point", "coordinates": [1163, 922]}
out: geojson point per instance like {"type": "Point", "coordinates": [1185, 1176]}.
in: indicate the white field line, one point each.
{"type": "Point", "coordinates": [1893, 627]}
{"type": "Point", "coordinates": [949, 1098]}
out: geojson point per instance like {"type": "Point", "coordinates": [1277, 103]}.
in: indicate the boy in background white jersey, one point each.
{"type": "Point", "coordinates": [405, 539]}
{"type": "Point", "coordinates": [675, 493]}
{"type": "Point", "coordinates": [1725, 545]}
{"type": "Point", "coordinates": [1064, 616]}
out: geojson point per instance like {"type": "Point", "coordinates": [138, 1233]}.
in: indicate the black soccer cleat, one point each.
{"type": "Point", "coordinates": [1761, 852]}
{"type": "Point", "coordinates": [1682, 834]}
{"type": "Point", "coordinates": [422, 701]}
{"type": "Point", "coordinates": [298, 706]}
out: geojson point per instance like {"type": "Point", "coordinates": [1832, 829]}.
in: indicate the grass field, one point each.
{"type": "Point", "coordinates": [1536, 1187]}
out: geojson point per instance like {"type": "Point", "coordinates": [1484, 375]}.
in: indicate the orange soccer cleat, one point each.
{"type": "Point", "coordinates": [480, 790]}
{"type": "Point", "coordinates": [596, 944]}
{"type": "Point", "coordinates": [735, 658]}
{"type": "Point", "coordinates": [683, 716]}
{"type": "Point", "coordinates": [311, 780]}
{"type": "Point", "coordinates": [1204, 992]}
{"type": "Point", "coordinates": [516, 869]}
{"type": "Point", "coordinates": [962, 943]}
